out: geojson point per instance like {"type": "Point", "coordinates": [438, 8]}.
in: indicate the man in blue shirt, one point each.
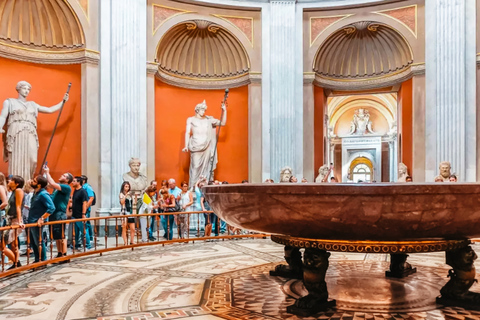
{"type": "Point", "coordinates": [42, 206]}
{"type": "Point", "coordinates": [91, 196]}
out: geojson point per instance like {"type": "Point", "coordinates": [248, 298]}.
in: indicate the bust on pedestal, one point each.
{"type": "Point", "coordinates": [138, 182]}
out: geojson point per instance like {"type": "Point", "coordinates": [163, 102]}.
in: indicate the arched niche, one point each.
{"type": "Point", "coordinates": [362, 55]}
{"type": "Point", "coordinates": [40, 32]}
{"type": "Point", "coordinates": [201, 54]}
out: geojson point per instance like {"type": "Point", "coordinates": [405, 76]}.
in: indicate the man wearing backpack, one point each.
{"type": "Point", "coordinates": [92, 199]}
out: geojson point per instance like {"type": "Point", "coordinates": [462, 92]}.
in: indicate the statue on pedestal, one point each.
{"type": "Point", "coordinates": [361, 123]}
{"type": "Point", "coordinates": [20, 141]}
{"type": "Point", "coordinates": [200, 141]}
{"type": "Point", "coordinates": [402, 172]}
{"type": "Point", "coordinates": [445, 173]}
{"type": "Point", "coordinates": [138, 182]}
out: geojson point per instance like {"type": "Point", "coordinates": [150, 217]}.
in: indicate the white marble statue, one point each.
{"type": "Point", "coordinates": [21, 140]}
{"type": "Point", "coordinates": [285, 174]}
{"type": "Point", "coordinates": [402, 172]}
{"type": "Point", "coordinates": [138, 182]}
{"type": "Point", "coordinates": [445, 172]}
{"type": "Point", "coordinates": [200, 140]}
{"type": "Point", "coordinates": [323, 173]}
{"type": "Point", "coordinates": [361, 123]}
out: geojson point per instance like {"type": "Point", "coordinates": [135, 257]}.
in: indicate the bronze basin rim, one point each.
{"type": "Point", "coordinates": [363, 246]}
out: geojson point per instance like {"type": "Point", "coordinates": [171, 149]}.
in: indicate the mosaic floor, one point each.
{"type": "Point", "coordinates": [221, 280]}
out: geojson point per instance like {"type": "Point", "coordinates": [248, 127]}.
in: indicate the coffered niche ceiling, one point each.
{"type": "Point", "coordinates": [202, 54]}
{"type": "Point", "coordinates": [363, 54]}
{"type": "Point", "coordinates": [45, 25]}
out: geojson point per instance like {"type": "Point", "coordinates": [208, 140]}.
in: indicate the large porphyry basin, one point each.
{"type": "Point", "coordinates": [381, 211]}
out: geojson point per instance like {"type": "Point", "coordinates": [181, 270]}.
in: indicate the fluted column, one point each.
{"type": "Point", "coordinates": [450, 87]}
{"type": "Point", "coordinates": [286, 116]}
{"type": "Point", "coordinates": [123, 93]}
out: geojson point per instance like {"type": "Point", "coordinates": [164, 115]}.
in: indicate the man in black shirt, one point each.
{"type": "Point", "coordinates": [79, 210]}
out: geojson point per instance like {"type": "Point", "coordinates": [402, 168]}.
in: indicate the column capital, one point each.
{"type": "Point", "coordinates": [152, 67]}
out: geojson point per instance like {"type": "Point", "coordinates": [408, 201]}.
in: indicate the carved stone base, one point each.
{"type": "Point", "coordinates": [466, 304]}
{"type": "Point", "coordinates": [399, 267]}
{"type": "Point", "coordinates": [315, 306]}
{"type": "Point", "coordinates": [294, 268]}
{"type": "Point", "coordinates": [286, 272]}
{"type": "Point", "coordinates": [462, 276]}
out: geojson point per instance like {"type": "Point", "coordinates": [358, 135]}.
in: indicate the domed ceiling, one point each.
{"type": "Point", "coordinates": [44, 24]}
{"type": "Point", "coordinates": [362, 50]}
{"type": "Point", "coordinates": [200, 49]}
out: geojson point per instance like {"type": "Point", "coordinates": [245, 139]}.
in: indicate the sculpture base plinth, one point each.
{"type": "Point", "coordinates": [317, 307]}
{"type": "Point", "coordinates": [470, 304]}
{"type": "Point", "coordinates": [285, 272]}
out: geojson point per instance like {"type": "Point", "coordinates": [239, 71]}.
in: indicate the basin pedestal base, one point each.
{"type": "Point", "coordinates": [459, 255]}
{"type": "Point", "coordinates": [462, 276]}
{"type": "Point", "coordinates": [315, 265]}
{"type": "Point", "coordinates": [294, 268]}
{"type": "Point", "coordinates": [399, 267]}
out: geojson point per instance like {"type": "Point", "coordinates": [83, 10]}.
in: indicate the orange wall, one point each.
{"type": "Point", "coordinates": [406, 123]}
{"type": "Point", "coordinates": [379, 123]}
{"type": "Point", "coordinates": [49, 84]}
{"type": "Point", "coordinates": [318, 136]}
{"type": "Point", "coordinates": [173, 105]}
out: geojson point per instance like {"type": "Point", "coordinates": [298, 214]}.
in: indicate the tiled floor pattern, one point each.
{"type": "Point", "coordinates": [220, 280]}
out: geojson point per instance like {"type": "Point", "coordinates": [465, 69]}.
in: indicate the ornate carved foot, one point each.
{"type": "Point", "coordinates": [462, 276]}
{"type": "Point", "coordinates": [314, 269]}
{"type": "Point", "coordinates": [294, 268]}
{"type": "Point", "coordinates": [399, 267]}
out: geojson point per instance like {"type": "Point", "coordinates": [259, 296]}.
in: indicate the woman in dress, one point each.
{"type": "Point", "coordinates": [14, 217]}
{"type": "Point", "coordinates": [127, 203]}
{"type": "Point", "coordinates": [21, 140]}
{"type": "Point", "coordinates": [186, 202]}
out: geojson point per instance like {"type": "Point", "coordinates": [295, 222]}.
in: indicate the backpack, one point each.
{"type": "Point", "coordinates": [94, 198]}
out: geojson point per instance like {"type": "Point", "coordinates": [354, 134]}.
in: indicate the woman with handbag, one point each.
{"type": "Point", "coordinates": [168, 204]}
{"type": "Point", "coordinates": [147, 207]}
{"type": "Point", "coordinates": [126, 203]}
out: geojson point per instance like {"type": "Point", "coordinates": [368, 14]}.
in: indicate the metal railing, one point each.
{"type": "Point", "coordinates": [106, 234]}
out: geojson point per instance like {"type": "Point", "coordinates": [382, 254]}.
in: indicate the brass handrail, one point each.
{"type": "Point", "coordinates": [96, 228]}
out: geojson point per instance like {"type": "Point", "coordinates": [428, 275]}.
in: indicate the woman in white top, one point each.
{"type": "Point", "coordinates": [186, 205]}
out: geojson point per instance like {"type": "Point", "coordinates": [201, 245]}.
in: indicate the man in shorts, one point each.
{"type": "Point", "coordinates": [60, 198]}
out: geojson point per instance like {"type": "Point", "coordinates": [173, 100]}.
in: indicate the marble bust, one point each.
{"type": "Point", "coordinates": [323, 173]}
{"type": "Point", "coordinates": [20, 139]}
{"type": "Point", "coordinates": [285, 174]}
{"type": "Point", "coordinates": [402, 172]}
{"type": "Point", "coordinates": [445, 173]}
{"type": "Point", "coordinates": [361, 123]}
{"type": "Point", "coordinates": [138, 182]}
{"type": "Point", "coordinates": [200, 139]}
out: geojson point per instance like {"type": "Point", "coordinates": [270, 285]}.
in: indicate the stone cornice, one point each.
{"type": "Point", "coordinates": [370, 83]}
{"type": "Point", "coordinates": [152, 67]}
{"type": "Point", "coordinates": [49, 57]}
{"type": "Point", "coordinates": [204, 84]}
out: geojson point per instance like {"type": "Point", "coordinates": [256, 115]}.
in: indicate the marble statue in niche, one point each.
{"type": "Point", "coordinates": [361, 123]}
{"type": "Point", "coordinates": [138, 182]}
{"type": "Point", "coordinates": [200, 140]}
{"type": "Point", "coordinates": [445, 172]}
{"type": "Point", "coordinates": [285, 174]}
{"type": "Point", "coordinates": [402, 172]}
{"type": "Point", "coordinates": [20, 140]}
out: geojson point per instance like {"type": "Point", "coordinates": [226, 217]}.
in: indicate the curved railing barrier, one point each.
{"type": "Point", "coordinates": [107, 236]}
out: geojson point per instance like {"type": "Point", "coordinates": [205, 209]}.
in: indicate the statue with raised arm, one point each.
{"type": "Point", "coordinates": [20, 141]}
{"type": "Point", "coordinates": [200, 141]}
{"type": "Point", "coordinates": [361, 123]}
